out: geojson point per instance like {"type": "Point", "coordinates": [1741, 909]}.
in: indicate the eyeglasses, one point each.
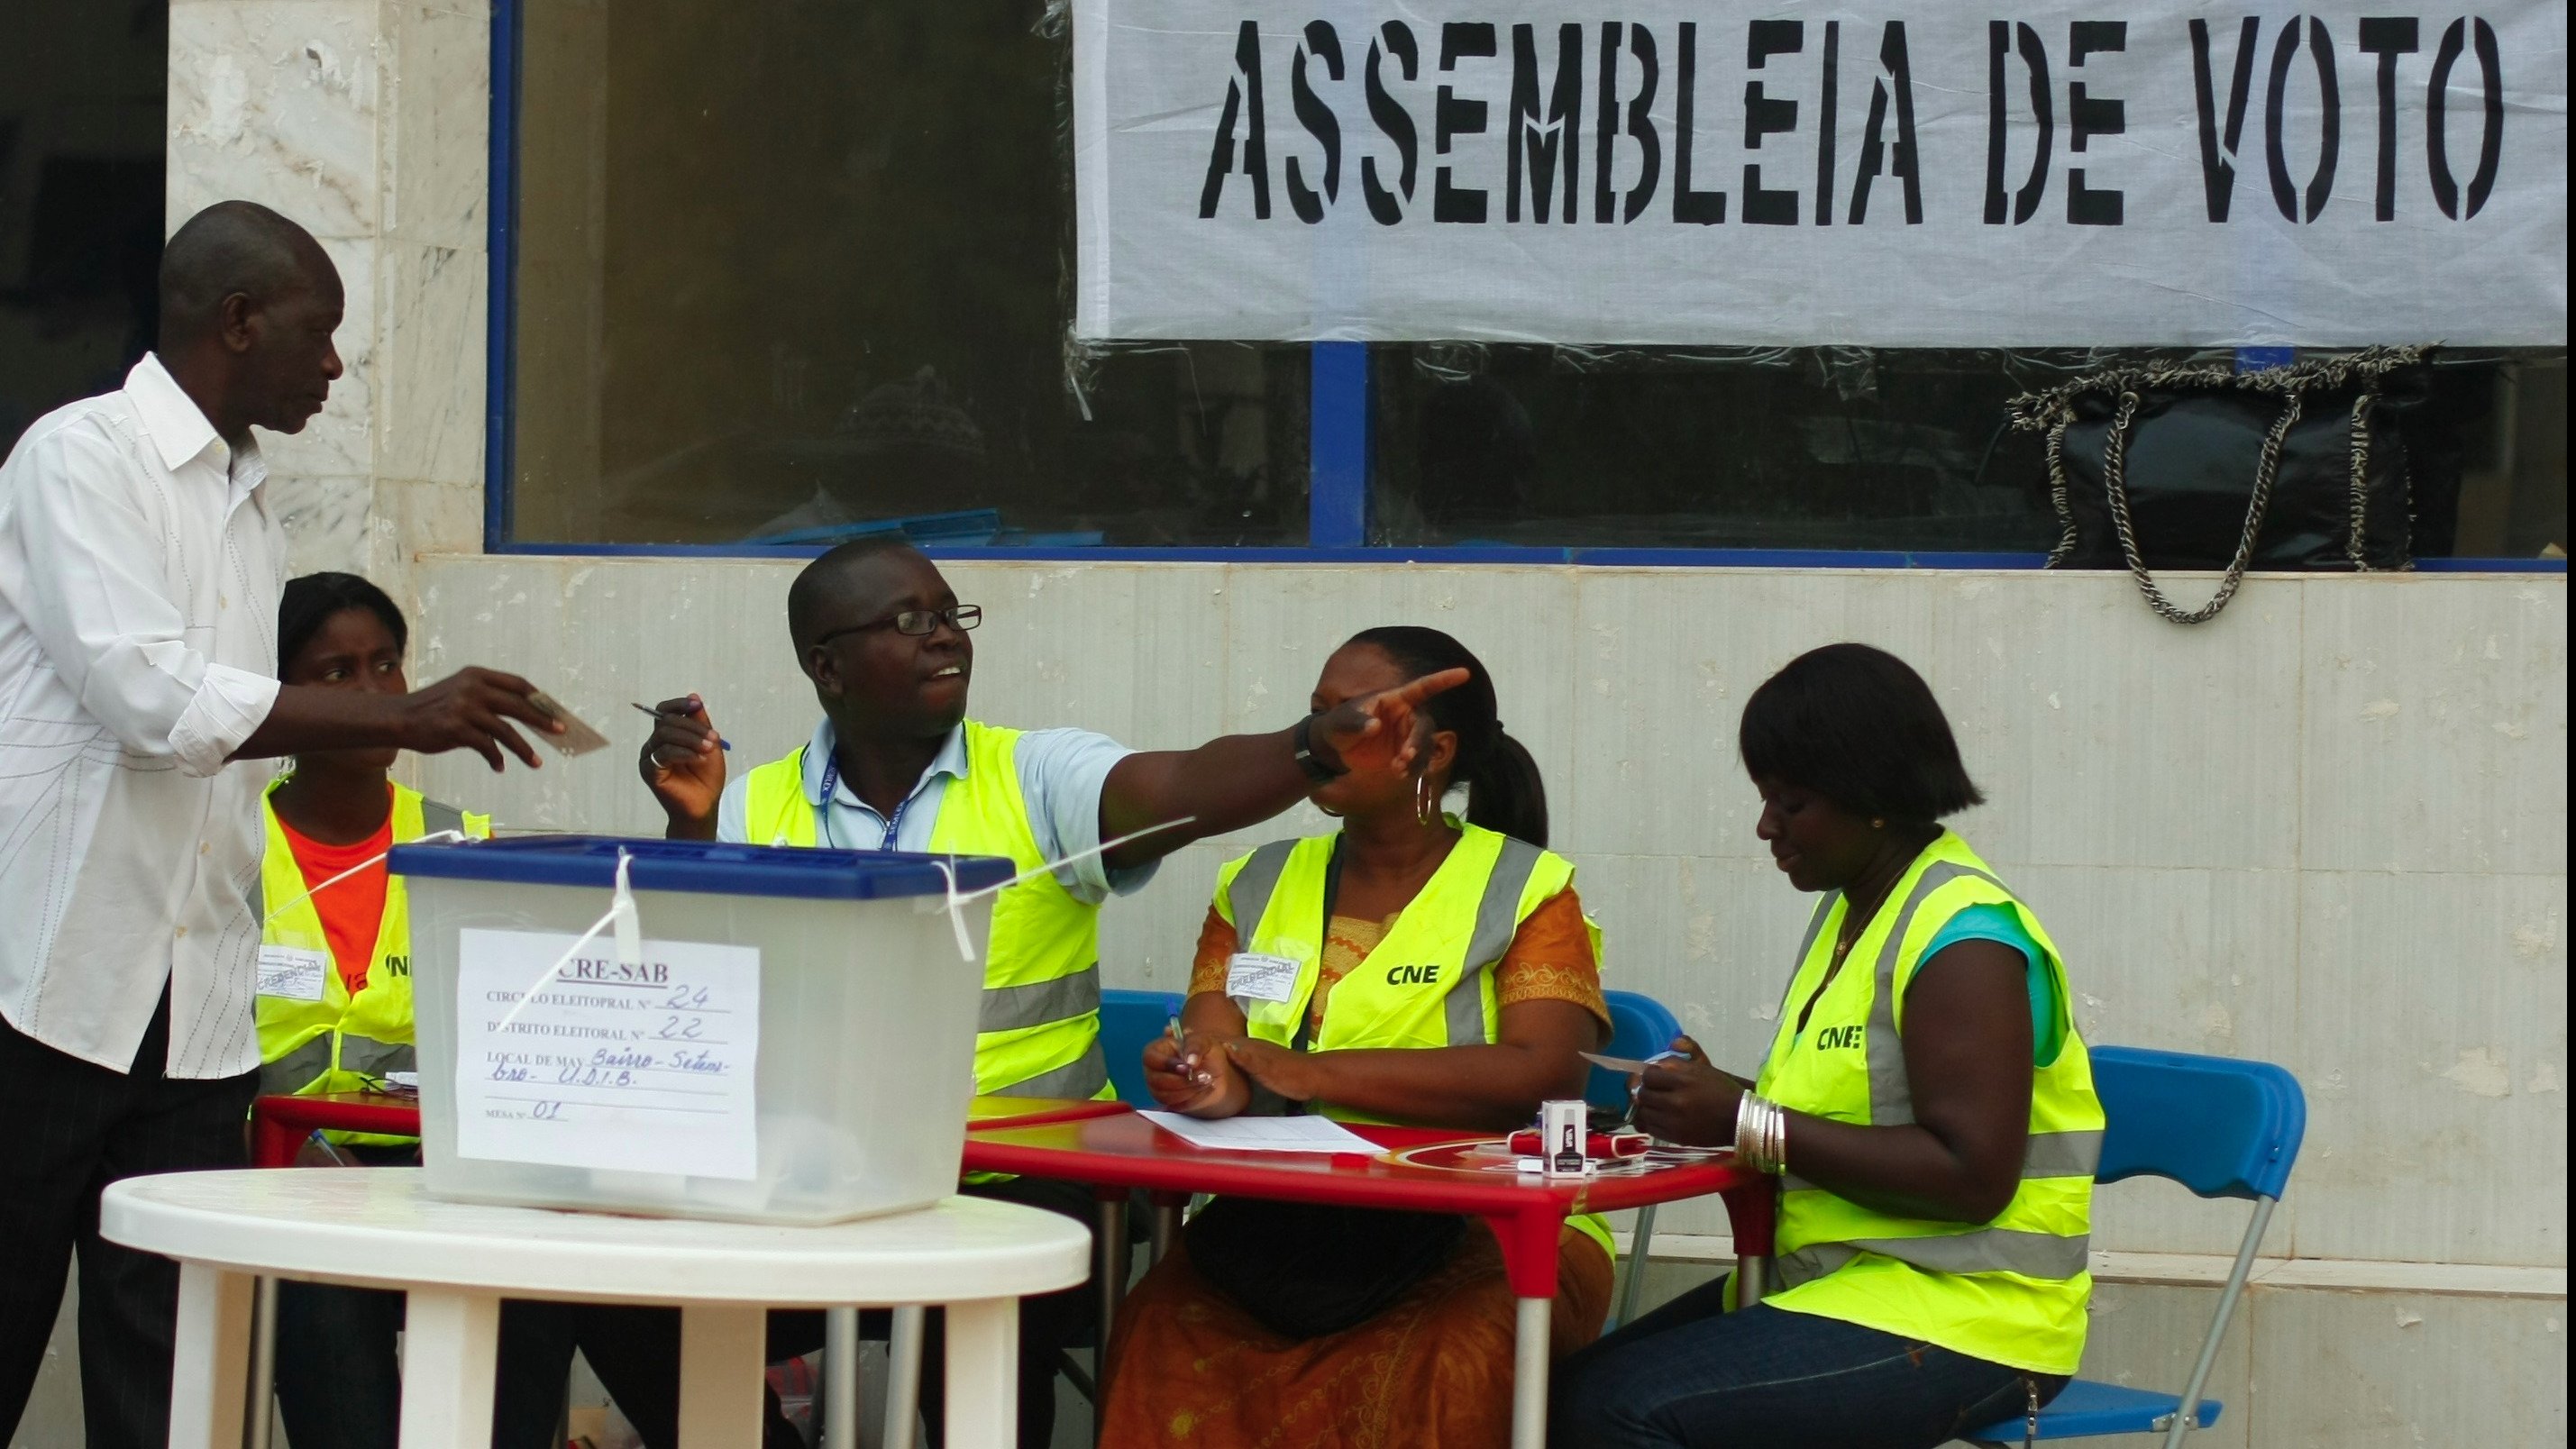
{"type": "Point", "coordinates": [916, 622]}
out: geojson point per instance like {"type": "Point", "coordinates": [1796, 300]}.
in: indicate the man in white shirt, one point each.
{"type": "Point", "coordinates": [140, 567]}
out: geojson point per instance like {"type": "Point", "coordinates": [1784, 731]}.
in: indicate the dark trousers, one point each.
{"type": "Point", "coordinates": [636, 1351]}
{"type": "Point", "coordinates": [68, 1128]}
{"type": "Point", "coordinates": [1690, 1376]}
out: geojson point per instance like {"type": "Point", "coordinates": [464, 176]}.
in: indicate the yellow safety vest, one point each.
{"type": "Point", "coordinates": [2011, 1291]}
{"type": "Point", "coordinates": [1430, 980]}
{"type": "Point", "coordinates": [1038, 1033]}
{"type": "Point", "coordinates": [333, 1041]}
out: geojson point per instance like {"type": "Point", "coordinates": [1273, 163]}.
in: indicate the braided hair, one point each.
{"type": "Point", "coordinates": [1504, 792]}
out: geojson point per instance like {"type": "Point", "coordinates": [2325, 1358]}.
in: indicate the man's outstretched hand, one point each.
{"type": "Point", "coordinates": [1380, 732]}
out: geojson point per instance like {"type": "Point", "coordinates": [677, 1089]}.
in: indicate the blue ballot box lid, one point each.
{"type": "Point", "coordinates": [703, 866]}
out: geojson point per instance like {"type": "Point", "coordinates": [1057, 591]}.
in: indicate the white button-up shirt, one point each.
{"type": "Point", "coordinates": [139, 577]}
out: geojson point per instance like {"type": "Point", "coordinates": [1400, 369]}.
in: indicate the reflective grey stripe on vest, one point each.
{"type": "Point", "coordinates": [369, 1057]}
{"type": "Point", "coordinates": [1891, 1101]}
{"type": "Point", "coordinates": [1815, 928]}
{"type": "Point", "coordinates": [1498, 918]}
{"type": "Point", "coordinates": [1079, 1079]}
{"type": "Point", "coordinates": [1250, 892]}
{"type": "Point", "coordinates": [2048, 1154]}
{"type": "Point", "coordinates": [1040, 1003]}
{"type": "Point", "coordinates": [435, 817]}
{"type": "Point", "coordinates": [1984, 1250]}
{"type": "Point", "coordinates": [297, 1069]}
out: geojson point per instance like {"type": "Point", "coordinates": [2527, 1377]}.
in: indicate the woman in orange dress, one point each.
{"type": "Point", "coordinates": [1398, 1009]}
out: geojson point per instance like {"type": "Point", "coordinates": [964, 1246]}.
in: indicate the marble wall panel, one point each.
{"type": "Point", "coordinates": [1134, 651]}
{"type": "Point", "coordinates": [429, 385]}
{"type": "Point", "coordinates": [2436, 724]}
{"type": "Point", "coordinates": [2432, 1040]}
{"type": "Point", "coordinates": [275, 101]}
{"type": "Point", "coordinates": [325, 521]}
{"type": "Point", "coordinates": [437, 133]}
{"type": "Point", "coordinates": [2103, 735]}
{"type": "Point", "coordinates": [2368, 1370]}
{"type": "Point", "coordinates": [1661, 663]}
{"type": "Point", "coordinates": [2148, 1336]}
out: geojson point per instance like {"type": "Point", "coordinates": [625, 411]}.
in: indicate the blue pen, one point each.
{"type": "Point", "coordinates": [333, 1154]}
{"type": "Point", "coordinates": [721, 741]}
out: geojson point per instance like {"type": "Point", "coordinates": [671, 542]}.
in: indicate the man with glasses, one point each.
{"type": "Point", "coordinates": [896, 764]}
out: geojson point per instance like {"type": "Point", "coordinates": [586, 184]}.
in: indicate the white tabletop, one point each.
{"type": "Point", "coordinates": [376, 1227]}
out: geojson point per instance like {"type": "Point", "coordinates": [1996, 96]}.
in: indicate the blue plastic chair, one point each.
{"type": "Point", "coordinates": [1640, 1026]}
{"type": "Point", "coordinates": [1129, 1020]}
{"type": "Point", "coordinates": [2222, 1128]}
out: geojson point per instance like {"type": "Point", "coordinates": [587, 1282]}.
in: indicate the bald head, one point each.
{"type": "Point", "coordinates": [235, 248]}
{"type": "Point", "coordinates": [249, 303]}
{"type": "Point", "coordinates": [819, 596]}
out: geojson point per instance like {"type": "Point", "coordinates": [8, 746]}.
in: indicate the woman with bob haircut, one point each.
{"type": "Point", "coordinates": [1926, 1102]}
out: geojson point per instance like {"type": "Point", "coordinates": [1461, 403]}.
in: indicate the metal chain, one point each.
{"type": "Point", "coordinates": [2115, 484]}
{"type": "Point", "coordinates": [2057, 491]}
{"type": "Point", "coordinates": [2030, 1424]}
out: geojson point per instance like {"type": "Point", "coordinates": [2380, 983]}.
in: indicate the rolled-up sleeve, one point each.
{"type": "Point", "coordinates": [1061, 775]}
{"type": "Point", "coordinates": [97, 598]}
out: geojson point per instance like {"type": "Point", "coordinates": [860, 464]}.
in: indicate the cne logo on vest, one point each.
{"type": "Point", "coordinates": [1840, 1038]}
{"type": "Point", "coordinates": [397, 965]}
{"type": "Point", "coordinates": [1413, 975]}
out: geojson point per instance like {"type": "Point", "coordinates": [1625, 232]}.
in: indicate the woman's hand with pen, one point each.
{"type": "Point", "coordinates": [1189, 1071]}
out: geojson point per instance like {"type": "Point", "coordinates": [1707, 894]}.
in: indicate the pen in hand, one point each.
{"type": "Point", "coordinates": [721, 741]}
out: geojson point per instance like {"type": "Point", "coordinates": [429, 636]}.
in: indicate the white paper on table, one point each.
{"type": "Point", "coordinates": [644, 1068]}
{"type": "Point", "coordinates": [1262, 1134]}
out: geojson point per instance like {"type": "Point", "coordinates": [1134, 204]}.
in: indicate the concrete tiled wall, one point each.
{"type": "Point", "coordinates": [2323, 830]}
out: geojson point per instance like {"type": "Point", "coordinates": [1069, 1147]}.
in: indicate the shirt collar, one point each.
{"type": "Point", "coordinates": [950, 761]}
{"type": "Point", "coordinates": [172, 419]}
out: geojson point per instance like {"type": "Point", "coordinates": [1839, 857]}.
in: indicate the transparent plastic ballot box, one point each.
{"type": "Point", "coordinates": [768, 1035]}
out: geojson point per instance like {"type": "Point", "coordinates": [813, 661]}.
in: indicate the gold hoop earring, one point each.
{"type": "Point", "coordinates": [1422, 799]}
{"type": "Point", "coordinates": [1878, 825]}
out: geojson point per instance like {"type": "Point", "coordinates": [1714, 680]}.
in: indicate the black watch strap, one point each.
{"type": "Point", "coordinates": [1302, 739]}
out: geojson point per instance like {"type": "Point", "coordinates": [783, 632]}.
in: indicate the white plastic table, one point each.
{"type": "Point", "coordinates": [376, 1229]}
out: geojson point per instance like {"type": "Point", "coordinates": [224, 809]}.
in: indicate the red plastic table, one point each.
{"type": "Point", "coordinates": [279, 1125]}
{"type": "Point", "coordinates": [1527, 1213]}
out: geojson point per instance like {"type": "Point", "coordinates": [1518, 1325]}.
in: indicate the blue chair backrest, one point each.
{"type": "Point", "coordinates": [2222, 1128]}
{"type": "Point", "coordinates": [1639, 1028]}
{"type": "Point", "coordinates": [1129, 1020]}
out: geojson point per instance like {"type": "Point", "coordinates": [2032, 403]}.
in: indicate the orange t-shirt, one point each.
{"type": "Point", "coordinates": [353, 910]}
{"type": "Point", "coordinates": [1550, 958]}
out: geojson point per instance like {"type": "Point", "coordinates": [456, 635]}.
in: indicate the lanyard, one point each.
{"type": "Point", "coordinates": [831, 787]}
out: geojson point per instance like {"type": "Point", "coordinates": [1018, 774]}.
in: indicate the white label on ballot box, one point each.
{"type": "Point", "coordinates": [627, 1068]}
{"type": "Point", "coordinates": [291, 974]}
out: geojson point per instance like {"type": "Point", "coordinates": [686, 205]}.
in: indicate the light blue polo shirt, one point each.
{"type": "Point", "coordinates": [1061, 775]}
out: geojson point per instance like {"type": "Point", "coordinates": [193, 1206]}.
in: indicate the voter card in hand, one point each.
{"type": "Point", "coordinates": [577, 738]}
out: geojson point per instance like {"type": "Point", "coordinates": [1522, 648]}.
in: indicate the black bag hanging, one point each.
{"type": "Point", "coordinates": [2297, 467]}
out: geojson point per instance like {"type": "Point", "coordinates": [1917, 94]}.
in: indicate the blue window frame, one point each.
{"type": "Point", "coordinates": [1343, 409]}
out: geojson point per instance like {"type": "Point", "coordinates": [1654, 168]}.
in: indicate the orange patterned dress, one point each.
{"type": "Point", "coordinates": [1189, 1370]}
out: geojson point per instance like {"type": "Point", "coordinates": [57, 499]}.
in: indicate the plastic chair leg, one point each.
{"type": "Point", "coordinates": [903, 1375]}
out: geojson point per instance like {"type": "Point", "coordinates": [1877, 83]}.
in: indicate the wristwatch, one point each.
{"type": "Point", "coordinates": [1301, 738]}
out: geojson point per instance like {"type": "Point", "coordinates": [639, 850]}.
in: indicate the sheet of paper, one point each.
{"type": "Point", "coordinates": [1256, 977]}
{"type": "Point", "coordinates": [644, 1068]}
{"type": "Point", "coordinates": [1263, 1134]}
{"type": "Point", "coordinates": [291, 974]}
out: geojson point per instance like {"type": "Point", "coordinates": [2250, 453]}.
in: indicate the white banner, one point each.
{"type": "Point", "coordinates": [1699, 172]}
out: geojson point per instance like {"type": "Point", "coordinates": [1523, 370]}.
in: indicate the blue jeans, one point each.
{"type": "Point", "coordinates": [1689, 1376]}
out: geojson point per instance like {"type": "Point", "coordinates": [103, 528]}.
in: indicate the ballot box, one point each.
{"type": "Point", "coordinates": [756, 1033]}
